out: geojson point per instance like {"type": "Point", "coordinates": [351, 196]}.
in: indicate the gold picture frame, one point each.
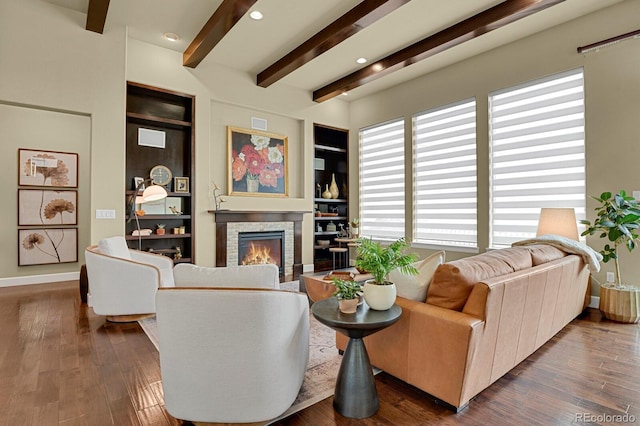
{"type": "Point", "coordinates": [257, 163]}
{"type": "Point", "coordinates": [181, 184]}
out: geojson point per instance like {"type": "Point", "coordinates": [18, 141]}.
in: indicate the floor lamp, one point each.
{"type": "Point", "coordinates": [150, 193]}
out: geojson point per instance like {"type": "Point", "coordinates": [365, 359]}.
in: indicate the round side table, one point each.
{"type": "Point", "coordinates": [355, 395]}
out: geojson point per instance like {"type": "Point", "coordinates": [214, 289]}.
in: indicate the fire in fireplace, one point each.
{"type": "Point", "coordinates": [261, 247]}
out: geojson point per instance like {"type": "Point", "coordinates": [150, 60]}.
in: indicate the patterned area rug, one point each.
{"type": "Point", "coordinates": [324, 360]}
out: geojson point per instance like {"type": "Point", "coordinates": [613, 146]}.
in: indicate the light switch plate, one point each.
{"type": "Point", "coordinates": [636, 195]}
{"type": "Point", "coordinates": [610, 277]}
{"type": "Point", "coordinates": [105, 214]}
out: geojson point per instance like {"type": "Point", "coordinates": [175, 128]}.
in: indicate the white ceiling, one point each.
{"type": "Point", "coordinates": [251, 45]}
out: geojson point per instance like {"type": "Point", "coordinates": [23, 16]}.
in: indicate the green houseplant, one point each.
{"type": "Point", "coordinates": [372, 257]}
{"type": "Point", "coordinates": [348, 293]}
{"type": "Point", "coordinates": [617, 220]}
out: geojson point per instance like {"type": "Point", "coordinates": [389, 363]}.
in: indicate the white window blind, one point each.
{"type": "Point", "coordinates": [382, 200]}
{"type": "Point", "coordinates": [444, 175]}
{"type": "Point", "coordinates": [537, 153]}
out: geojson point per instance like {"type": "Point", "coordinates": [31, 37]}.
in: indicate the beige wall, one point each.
{"type": "Point", "coordinates": [226, 97]}
{"type": "Point", "coordinates": [612, 80]}
{"type": "Point", "coordinates": [57, 65]}
{"type": "Point", "coordinates": [48, 61]}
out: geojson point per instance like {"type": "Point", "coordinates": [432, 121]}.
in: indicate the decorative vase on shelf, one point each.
{"type": "Point", "coordinates": [326, 194]}
{"type": "Point", "coordinates": [252, 183]}
{"type": "Point", "coordinates": [333, 188]}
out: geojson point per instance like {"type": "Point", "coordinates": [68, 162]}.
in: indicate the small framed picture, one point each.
{"type": "Point", "coordinates": [137, 181]}
{"type": "Point", "coordinates": [181, 184]}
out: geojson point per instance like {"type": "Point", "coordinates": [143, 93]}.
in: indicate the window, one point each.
{"type": "Point", "coordinates": [382, 180]}
{"type": "Point", "coordinates": [444, 175]}
{"type": "Point", "coordinates": [537, 153]}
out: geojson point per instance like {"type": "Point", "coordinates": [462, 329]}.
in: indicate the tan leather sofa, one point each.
{"type": "Point", "coordinates": [483, 315]}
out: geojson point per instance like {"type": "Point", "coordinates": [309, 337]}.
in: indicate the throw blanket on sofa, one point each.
{"type": "Point", "coordinates": [567, 245]}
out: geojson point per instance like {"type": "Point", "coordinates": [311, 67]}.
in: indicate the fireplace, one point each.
{"type": "Point", "coordinates": [231, 223]}
{"type": "Point", "coordinates": [256, 248]}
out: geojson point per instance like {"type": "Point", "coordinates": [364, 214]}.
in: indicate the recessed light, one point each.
{"type": "Point", "coordinates": [171, 36]}
{"type": "Point", "coordinates": [378, 67]}
{"type": "Point", "coordinates": [361, 60]}
{"type": "Point", "coordinates": [256, 15]}
{"type": "Point", "coordinates": [345, 93]}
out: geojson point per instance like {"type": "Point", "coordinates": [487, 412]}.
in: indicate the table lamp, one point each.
{"type": "Point", "coordinates": [558, 221]}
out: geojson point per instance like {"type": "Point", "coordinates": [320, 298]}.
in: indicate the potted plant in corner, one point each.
{"type": "Point", "coordinates": [379, 292]}
{"type": "Point", "coordinates": [617, 220]}
{"type": "Point", "coordinates": [348, 294]}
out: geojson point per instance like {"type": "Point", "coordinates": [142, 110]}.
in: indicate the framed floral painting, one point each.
{"type": "Point", "coordinates": [257, 163]}
{"type": "Point", "coordinates": [47, 168]}
{"type": "Point", "coordinates": [40, 246]}
{"type": "Point", "coordinates": [47, 207]}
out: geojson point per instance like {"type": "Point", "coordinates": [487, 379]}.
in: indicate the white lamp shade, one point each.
{"type": "Point", "coordinates": [558, 221]}
{"type": "Point", "coordinates": [153, 193]}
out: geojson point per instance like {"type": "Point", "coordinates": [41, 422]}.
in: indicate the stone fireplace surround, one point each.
{"type": "Point", "coordinates": [230, 222]}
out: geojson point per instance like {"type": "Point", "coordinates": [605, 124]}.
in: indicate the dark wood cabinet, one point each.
{"type": "Point", "coordinates": [331, 163]}
{"type": "Point", "coordinates": [172, 113]}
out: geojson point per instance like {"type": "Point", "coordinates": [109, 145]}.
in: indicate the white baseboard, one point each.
{"type": "Point", "coordinates": [39, 279]}
{"type": "Point", "coordinates": [307, 268]}
{"type": "Point", "coordinates": [595, 302]}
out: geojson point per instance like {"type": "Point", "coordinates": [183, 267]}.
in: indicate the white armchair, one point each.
{"type": "Point", "coordinates": [123, 282]}
{"type": "Point", "coordinates": [230, 355]}
{"type": "Point", "coordinates": [253, 276]}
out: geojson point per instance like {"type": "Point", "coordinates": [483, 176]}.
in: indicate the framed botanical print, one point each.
{"type": "Point", "coordinates": [40, 246]}
{"type": "Point", "coordinates": [38, 207]}
{"type": "Point", "coordinates": [47, 168]}
{"type": "Point", "coordinates": [257, 163]}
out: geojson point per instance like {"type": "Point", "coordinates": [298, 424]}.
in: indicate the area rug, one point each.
{"type": "Point", "coordinates": [324, 360]}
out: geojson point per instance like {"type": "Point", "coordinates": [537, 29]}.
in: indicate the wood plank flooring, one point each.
{"type": "Point", "coordinates": [62, 364]}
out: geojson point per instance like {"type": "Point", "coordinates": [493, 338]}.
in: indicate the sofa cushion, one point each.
{"type": "Point", "coordinates": [541, 253]}
{"type": "Point", "coordinates": [114, 246]}
{"type": "Point", "coordinates": [414, 287]}
{"type": "Point", "coordinates": [452, 281]}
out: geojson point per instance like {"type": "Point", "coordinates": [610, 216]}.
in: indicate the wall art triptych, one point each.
{"type": "Point", "coordinates": [50, 210]}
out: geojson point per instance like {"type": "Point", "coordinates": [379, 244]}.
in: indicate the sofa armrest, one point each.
{"type": "Point", "coordinates": [443, 344]}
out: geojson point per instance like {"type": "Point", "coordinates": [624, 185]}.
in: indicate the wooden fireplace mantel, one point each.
{"type": "Point", "coordinates": [222, 217]}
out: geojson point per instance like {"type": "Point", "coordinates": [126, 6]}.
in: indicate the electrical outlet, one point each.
{"type": "Point", "coordinates": [610, 277]}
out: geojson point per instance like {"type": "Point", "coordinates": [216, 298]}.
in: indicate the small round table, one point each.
{"type": "Point", "coordinates": [356, 395]}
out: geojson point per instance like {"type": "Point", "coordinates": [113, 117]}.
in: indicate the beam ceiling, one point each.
{"type": "Point", "coordinates": [493, 18]}
{"type": "Point", "coordinates": [97, 15]}
{"type": "Point", "coordinates": [220, 23]}
{"type": "Point", "coordinates": [355, 20]}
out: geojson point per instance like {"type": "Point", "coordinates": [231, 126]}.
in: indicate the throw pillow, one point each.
{"type": "Point", "coordinates": [114, 246]}
{"type": "Point", "coordinates": [415, 287]}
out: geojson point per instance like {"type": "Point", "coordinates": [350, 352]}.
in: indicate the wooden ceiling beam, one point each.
{"type": "Point", "coordinates": [360, 17]}
{"type": "Point", "coordinates": [97, 15]}
{"type": "Point", "coordinates": [491, 19]}
{"type": "Point", "coordinates": [223, 19]}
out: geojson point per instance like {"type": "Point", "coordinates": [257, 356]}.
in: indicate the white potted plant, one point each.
{"type": "Point", "coordinates": [379, 292]}
{"type": "Point", "coordinates": [617, 220]}
{"type": "Point", "coordinates": [348, 294]}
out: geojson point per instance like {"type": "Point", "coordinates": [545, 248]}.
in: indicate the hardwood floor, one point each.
{"type": "Point", "coordinates": [62, 364]}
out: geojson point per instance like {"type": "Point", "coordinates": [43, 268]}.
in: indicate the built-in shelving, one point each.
{"type": "Point", "coordinates": [331, 160]}
{"type": "Point", "coordinates": [172, 113]}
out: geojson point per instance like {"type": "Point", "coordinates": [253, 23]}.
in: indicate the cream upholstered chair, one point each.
{"type": "Point", "coordinates": [231, 355]}
{"type": "Point", "coordinates": [123, 282]}
{"type": "Point", "coordinates": [254, 276]}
